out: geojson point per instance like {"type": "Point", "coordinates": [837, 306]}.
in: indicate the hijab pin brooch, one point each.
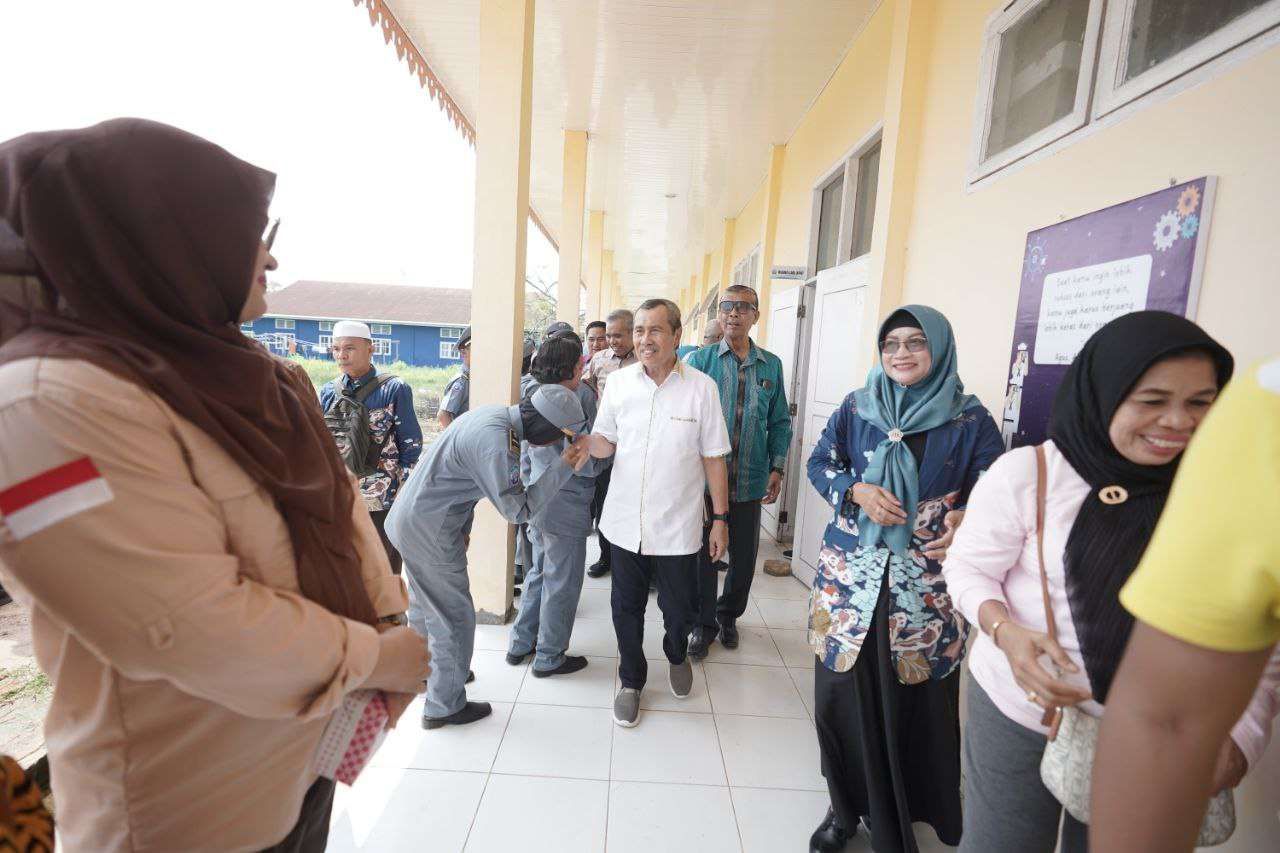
{"type": "Point", "coordinates": [895, 435]}
{"type": "Point", "coordinates": [1113, 495]}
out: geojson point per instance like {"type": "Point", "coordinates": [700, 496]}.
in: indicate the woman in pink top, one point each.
{"type": "Point", "coordinates": [1124, 412]}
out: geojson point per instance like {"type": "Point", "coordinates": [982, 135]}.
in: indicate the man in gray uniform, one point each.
{"type": "Point", "coordinates": [477, 457]}
{"type": "Point", "coordinates": [457, 394]}
{"type": "Point", "coordinates": [553, 583]}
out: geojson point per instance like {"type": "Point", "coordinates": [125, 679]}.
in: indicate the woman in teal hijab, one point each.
{"type": "Point", "coordinates": [896, 463]}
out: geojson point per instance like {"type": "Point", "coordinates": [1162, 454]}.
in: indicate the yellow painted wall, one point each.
{"type": "Point", "coordinates": [965, 248]}
{"type": "Point", "coordinates": [746, 232]}
{"type": "Point", "coordinates": [850, 106]}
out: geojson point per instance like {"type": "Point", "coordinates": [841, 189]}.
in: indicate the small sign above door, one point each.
{"type": "Point", "coordinates": [785, 272]}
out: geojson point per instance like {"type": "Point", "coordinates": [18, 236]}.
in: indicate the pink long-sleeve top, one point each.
{"type": "Point", "coordinates": [994, 557]}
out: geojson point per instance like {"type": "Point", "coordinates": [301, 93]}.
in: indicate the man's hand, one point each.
{"type": "Point", "coordinates": [1231, 766]}
{"type": "Point", "coordinates": [775, 486]}
{"type": "Point", "coordinates": [577, 453]}
{"type": "Point", "coordinates": [719, 542]}
{"type": "Point", "coordinates": [937, 549]}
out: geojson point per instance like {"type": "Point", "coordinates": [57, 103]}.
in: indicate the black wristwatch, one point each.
{"type": "Point", "coordinates": [720, 516]}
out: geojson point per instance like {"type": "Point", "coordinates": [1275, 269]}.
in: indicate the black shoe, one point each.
{"type": "Point", "coordinates": [470, 713]}
{"type": "Point", "coordinates": [597, 570]}
{"type": "Point", "coordinates": [572, 663]}
{"type": "Point", "coordinates": [516, 660]}
{"type": "Point", "coordinates": [787, 553]}
{"type": "Point", "coordinates": [471, 676]}
{"type": "Point", "coordinates": [729, 635]}
{"type": "Point", "coordinates": [830, 836]}
{"type": "Point", "coordinates": [700, 642]}
{"type": "Point", "coordinates": [515, 593]}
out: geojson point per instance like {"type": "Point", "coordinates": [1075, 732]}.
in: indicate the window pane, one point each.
{"type": "Point", "coordinates": [1161, 29]}
{"type": "Point", "coordinates": [1037, 72]}
{"type": "Point", "coordinates": [829, 224]}
{"type": "Point", "coordinates": [864, 204]}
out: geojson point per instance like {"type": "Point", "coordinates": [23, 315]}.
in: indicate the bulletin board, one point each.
{"type": "Point", "coordinates": [1080, 274]}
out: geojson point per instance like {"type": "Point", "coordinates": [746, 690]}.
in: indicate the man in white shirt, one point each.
{"type": "Point", "coordinates": [663, 424]}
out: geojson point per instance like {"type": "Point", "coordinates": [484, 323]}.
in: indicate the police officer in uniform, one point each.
{"type": "Point", "coordinates": [478, 457]}
{"type": "Point", "coordinates": [553, 583]}
{"type": "Point", "coordinates": [457, 394]}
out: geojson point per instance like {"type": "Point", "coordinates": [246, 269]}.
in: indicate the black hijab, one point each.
{"type": "Point", "coordinates": [1107, 541]}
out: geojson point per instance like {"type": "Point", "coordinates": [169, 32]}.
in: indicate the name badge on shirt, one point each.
{"type": "Point", "coordinates": [513, 443]}
{"type": "Point", "coordinates": [684, 420]}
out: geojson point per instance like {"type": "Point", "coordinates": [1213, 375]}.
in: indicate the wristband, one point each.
{"type": "Point", "coordinates": [720, 516]}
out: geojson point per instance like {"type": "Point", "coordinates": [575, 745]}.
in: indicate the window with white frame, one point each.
{"type": "Point", "coordinates": [844, 207]}
{"type": "Point", "coordinates": [449, 350]}
{"type": "Point", "coordinates": [281, 323]}
{"type": "Point", "coordinates": [247, 328]}
{"type": "Point", "coordinates": [747, 272]}
{"type": "Point", "coordinates": [380, 328]}
{"type": "Point", "coordinates": [325, 342]}
{"type": "Point", "coordinates": [326, 325]}
{"type": "Point", "coordinates": [1050, 67]}
{"type": "Point", "coordinates": [829, 209]}
{"type": "Point", "coordinates": [453, 333]}
{"type": "Point", "coordinates": [383, 347]}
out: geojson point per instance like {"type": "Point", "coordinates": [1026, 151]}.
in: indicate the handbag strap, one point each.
{"type": "Point", "coordinates": [1052, 715]}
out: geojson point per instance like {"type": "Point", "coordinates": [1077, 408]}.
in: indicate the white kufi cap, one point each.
{"type": "Point", "coordinates": [351, 329]}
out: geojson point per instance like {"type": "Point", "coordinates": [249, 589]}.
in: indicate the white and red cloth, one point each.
{"type": "Point", "coordinates": [354, 733]}
{"type": "Point", "coordinates": [52, 496]}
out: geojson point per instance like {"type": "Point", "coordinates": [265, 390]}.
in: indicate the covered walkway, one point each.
{"type": "Point", "coordinates": [734, 767]}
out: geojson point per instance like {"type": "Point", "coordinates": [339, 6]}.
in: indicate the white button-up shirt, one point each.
{"type": "Point", "coordinates": [662, 432]}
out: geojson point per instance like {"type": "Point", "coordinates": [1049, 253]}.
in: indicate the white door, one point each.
{"type": "Point", "coordinates": [838, 305]}
{"type": "Point", "coordinates": [788, 340]}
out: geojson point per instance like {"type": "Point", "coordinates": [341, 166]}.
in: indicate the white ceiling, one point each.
{"type": "Point", "coordinates": [679, 97]}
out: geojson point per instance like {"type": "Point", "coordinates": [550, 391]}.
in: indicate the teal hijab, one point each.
{"type": "Point", "coordinates": [900, 411]}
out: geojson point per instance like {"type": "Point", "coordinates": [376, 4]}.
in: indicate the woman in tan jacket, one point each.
{"type": "Point", "coordinates": [204, 589]}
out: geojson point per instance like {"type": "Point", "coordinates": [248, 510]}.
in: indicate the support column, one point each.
{"type": "Point", "coordinates": [595, 260]}
{"type": "Point", "coordinates": [502, 214]}
{"type": "Point", "coordinates": [768, 234]}
{"type": "Point", "coordinates": [573, 200]}
{"type": "Point", "coordinates": [904, 102]}
{"type": "Point", "coordinates": [607, 278]}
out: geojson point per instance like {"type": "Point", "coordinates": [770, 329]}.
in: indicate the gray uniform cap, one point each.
{"type": "Point", "coordinates": [465, 340]}
{"type": "Point", "coordinates": [558, 326]}
{"type": "Point", "coordinates": [559, 405]}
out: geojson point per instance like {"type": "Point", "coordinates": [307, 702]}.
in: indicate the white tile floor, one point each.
{"type": "Point", "coordinates": [734, 767]}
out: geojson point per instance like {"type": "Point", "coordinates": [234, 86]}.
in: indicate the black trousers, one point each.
{"type": "Point", "coordinates": [597, 509]}
{"type": "Point", "coordinates": [379, 517]}
{"type": "Point", "coordinates": [677, 597]}
{"type": "Point", "coordinates": [744, 544]}
{"type": "Point", "coordinates": [311, 833]}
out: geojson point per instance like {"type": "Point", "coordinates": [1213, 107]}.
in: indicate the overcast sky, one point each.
{"type": "Point", "coordinates": [375, 184]}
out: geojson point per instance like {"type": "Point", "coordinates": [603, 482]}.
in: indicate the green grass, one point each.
{"type": "Point", "coordinates": [321, 370]}
{"type": "Point", "coordinates": [22, 682]}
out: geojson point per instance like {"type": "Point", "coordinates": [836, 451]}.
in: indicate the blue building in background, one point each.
{"type": "Point", "coordinates": [419, 326]}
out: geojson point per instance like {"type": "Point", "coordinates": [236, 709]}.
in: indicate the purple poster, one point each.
{"type": "Point", "coordinates": [1080, 274]}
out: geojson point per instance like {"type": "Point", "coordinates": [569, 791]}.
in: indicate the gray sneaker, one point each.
{"type": "Point", "coordinates": [626, 707]}
{"type": "Point", "coordinates": [681, 677]}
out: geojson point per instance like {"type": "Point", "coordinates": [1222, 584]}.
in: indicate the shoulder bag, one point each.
{"type": "Point", "coordinates": [1067, 766]}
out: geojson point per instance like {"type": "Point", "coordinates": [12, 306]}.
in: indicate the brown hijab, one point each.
{"type": "Point", "coordinates": [146, 238]}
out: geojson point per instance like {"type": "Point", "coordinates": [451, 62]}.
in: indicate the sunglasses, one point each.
{"type": "Point", "coordinates": [269, 238]}
{"type": "Point", "coordinates": [914, 344]}
{"type": "Point", "coordinates": [731, 305]}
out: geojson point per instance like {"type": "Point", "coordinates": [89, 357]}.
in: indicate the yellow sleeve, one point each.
{"type": "Point", "coordinates": [1211, 575]}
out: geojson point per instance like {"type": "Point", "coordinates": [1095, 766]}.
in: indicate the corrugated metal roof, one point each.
{"type": "Point", "coordinates": [381, 303]}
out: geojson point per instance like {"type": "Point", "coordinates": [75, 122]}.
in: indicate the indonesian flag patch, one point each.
{"type": "Point", "coordinates": [52, 496]}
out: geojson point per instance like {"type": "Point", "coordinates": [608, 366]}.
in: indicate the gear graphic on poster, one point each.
{"type": "Point", "coordinates": [1190, 226]}
{"type": "Point", "coordinates": [1166, 231]}
{"type": "Point", "coordinates": [1188, 201]}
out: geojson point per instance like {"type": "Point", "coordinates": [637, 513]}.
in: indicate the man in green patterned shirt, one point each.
{"type": "Point", "coordinates": [755, 411]}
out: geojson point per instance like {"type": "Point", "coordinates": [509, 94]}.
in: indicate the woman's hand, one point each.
{"type": "Point", "coordinates": [1230, 768]}
{"type": "Point", "coordinates": [879, 504]}
{"type": "Point", "coordinates": [1023, 647]}
{"type": "Point", "coordinates": [403, 662]}
{"type": "Point", "coordinates": [937, 549]}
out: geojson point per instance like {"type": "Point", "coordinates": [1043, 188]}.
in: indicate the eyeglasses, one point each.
{"type": "Point", "coordinates": [269, 238]}
{"type": "Point", "coordinates": [731, 305]}
{"type": "Point", "coordinates": [915, 344]}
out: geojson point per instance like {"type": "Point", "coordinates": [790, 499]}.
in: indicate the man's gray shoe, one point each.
{"type": "Point", "coordinates": [626, 707]}
{"type": "Point", "coordinates": [681, 677]}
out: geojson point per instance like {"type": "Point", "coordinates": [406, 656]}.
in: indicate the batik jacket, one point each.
{"type": "Point", "coordinates": [926, 632]}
